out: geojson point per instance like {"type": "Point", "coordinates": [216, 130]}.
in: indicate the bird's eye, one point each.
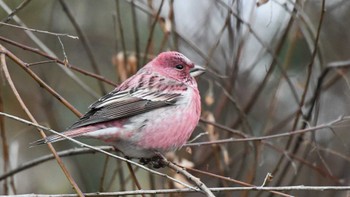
{"type": "Point", "coordinates": [179, 66]}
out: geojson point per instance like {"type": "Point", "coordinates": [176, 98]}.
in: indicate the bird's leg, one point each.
{"type": "Point", "coordinates": [158, 161]}
{"type": "Point", "coordinates": [127, 157]}
{"type": "Point", "coordinates": [145, 161]}
{"type": "Point", "coordinates": [155, 161]}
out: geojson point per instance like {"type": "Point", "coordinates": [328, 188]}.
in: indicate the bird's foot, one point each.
{"type": "Point", "coordinates": [156, 162]}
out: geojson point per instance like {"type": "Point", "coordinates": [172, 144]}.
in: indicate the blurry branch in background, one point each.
{"type": "Point", "coordinates": [3, 54]}
{"type": "Point", "coordinates": [214, 189]}
{"type": "Point", "coordinates": [150, 36]}
{"type": "Point", "coordinates": [299, 115]}
{"type": "Point", "coordinates": [39, 80]}
{"type": "Point", "coordinates": [5, 145]}
{"type": "Point", "coordinates": [134, 178]}
{"type": "Point", "coordinates": [136, 33]}
{"type": "Point", "coordinates": [247, 138]}
{"type": "Point", "coordinates": [14, 11]}
{"type": "Point", "coordinates": [264, 140]}
{"type": "Point", "coordinates": [39, 31]}
{"type": "Point", "coordinates": [179, 36]}
{"type": "Point", "coordinates": [56, 60]}
{"type": "Point", "coordinates": [85, 42]}
{"type": "Point", "coordinates": [339, 65]}
{"type": "Point", "coordinates": [118, 22]}
{"type": "Point", "coordinates": [43, 46]}
{"type": "Point", "coordinates": [45, 158]}
{"type": "Point", "coordinates": [189, 176]}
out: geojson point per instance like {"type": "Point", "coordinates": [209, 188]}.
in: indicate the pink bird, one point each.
{"type": "Point", "coordinates": [154, 111]}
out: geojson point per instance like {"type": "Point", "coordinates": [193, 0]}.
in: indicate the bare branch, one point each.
{"type": "Point", "coordinates": [39, 31]}
{"type": "Point", "coordinates": [214, 189]}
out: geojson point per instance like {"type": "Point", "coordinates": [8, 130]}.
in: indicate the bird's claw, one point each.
{"type": "Point", "coordinates": [156, 162]}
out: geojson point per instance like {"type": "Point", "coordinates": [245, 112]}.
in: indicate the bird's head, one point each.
{"type": "Point", "coordinates": [175, 65]}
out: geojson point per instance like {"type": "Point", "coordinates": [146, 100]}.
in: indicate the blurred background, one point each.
{"type": "Point", "coordinates": [274, 67]}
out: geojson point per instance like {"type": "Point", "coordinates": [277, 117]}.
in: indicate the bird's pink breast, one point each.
{"type": "Point", "coordinates": [173, 126]}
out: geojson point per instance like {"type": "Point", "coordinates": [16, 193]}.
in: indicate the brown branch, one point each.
{"type": "Point", "coordinates": [41, 53]}
{"type": "Point", "coordinates": [5, 146]}
{"type": "Point", "coordinates": [4, 52]}
{"type": "Point", "coordinates": [42, 159]}
{"type": "Point", "coordinates": [136, 33]}
{"type": "Point", "coordinates": [134, 178]}
{"type": "Point", "coordinates": [43, 46]}
{"type": "Point", "coordinates": [150, 36]}
{"type": "Point", "coordinates": [38, 31]}
{"type": "Point", "coordinates": [189, 176]}
{"type": "Point", "coordinates": [16, 10]}
{"type": "Point", "coordinates": [84, 41]}
{"type": "Point", "coordinates": [103, 176]}
{"type": "Point", "coordinates": [121, 30]}
{"type": "Point", "coordinates": [231, 180]}
{"type": "Point", "coordinates": [268, 137]}
{"type": "Point", "coordinates": [214, 189]}
{"type": "Point", "coordinates": [297, 144]}
{"type": "Point", "coordinates": [40, 81]}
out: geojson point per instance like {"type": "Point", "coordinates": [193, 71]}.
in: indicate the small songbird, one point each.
{"type": "Point", "coordinates": [153, 111]}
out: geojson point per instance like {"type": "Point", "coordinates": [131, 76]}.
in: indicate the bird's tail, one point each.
{"type": "Point", "coordinates": [55, 138]}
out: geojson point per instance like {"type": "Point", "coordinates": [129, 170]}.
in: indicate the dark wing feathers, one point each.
{"type": "Point", "coordinates": [123, 104]}
{"type": "Point", "coordinates": [115, 111]}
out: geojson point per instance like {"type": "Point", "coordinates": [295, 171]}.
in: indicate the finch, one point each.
{"type": "Point", "coordinates": [154, 111]}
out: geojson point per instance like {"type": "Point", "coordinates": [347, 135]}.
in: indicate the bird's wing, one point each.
{"type": "Point", "coordinates": [135, 96]}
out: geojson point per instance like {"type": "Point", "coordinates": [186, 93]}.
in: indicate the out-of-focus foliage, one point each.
{"type": "Point", "coordinates": [264, 66]}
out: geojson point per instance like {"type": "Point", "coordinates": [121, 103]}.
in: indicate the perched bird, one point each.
{"type": "Point", "coordinates": [153, 111]}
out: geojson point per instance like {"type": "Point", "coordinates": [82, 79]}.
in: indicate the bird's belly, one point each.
{"type": "Point", "coordinates": [170, 129]}
{"type": "Point", "coordinates": [163, 130]}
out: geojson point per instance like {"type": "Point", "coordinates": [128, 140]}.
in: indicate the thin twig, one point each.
{"type": "Point", "coordinates": [103, 175]}
{"type": "Point", "coordinates": [279, 135]}
{"type": "Point", "coordinates": [53, 58]}
{"type": "Point", "coordinates": [189, 176]}
{"type": "Point", "coordinates": [39, 31]}
{"type": "Point", "coordinates": [41, 62]}
{"type": "Point", "coordinates": [133, 177]}
{"type": "Point", "coordinates": [39, 80]}
{"type": "Point", "coordinates": [42, 159]}
{"type": "Point", "coordinates": [121, 31]}
{"type": "Point", "coordinates": [85, 42]}
{"type": "Point", "coordinates": [136, 32]}
{"type": "Point", "coordinates": [5, 146]}
{"type": "Point", "coordinates": [310, 68]}
{"type": "Point", "coordinates": [150, 36]}
{"type": "Point", "coordinates": [16, 10]}
{"type": "Point", "coordinates": [228, 179]}
{"type": "Point", "coordinates": [43, 47]}
{"type": "Point", "coordinates": [213, 189]}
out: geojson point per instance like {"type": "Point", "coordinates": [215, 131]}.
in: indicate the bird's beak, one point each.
{"type": "Point", "coordinates": [197, 70]}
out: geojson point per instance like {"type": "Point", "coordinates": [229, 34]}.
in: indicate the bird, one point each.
{"type": "Point", "coordinates": [152, 112]}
